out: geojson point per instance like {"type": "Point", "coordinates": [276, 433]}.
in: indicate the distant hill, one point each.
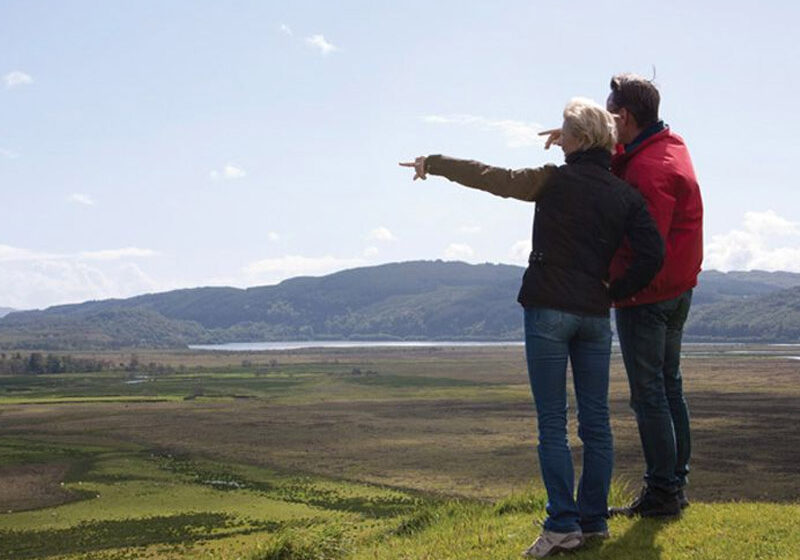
{"type": "Point", "coordinates": [714, 286]}
{"type": "Point", "coordinates": [99, 329]}
{"type": "Point", "coordinates": [5, 311]}
{"type": "Point", "coordinates": [421, 300]}
{"type": "Point", "coordinates": [774, 317]}
{"type": "Point", "coordinates": [413, 300]}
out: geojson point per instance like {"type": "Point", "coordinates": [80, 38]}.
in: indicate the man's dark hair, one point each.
{"type": "Point", "coordinates": [636, 94]}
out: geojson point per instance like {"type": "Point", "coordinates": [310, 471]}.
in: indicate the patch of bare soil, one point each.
{"type": "Point", "coordinates": [24, 487]}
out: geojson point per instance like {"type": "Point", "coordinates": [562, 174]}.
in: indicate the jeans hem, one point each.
{"type": "Point", "coordinates": [594, 528]}
{"type": "Point", "coordinates": [553, 528]}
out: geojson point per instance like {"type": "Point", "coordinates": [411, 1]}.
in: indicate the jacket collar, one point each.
{"type": "Point", "coordinates": [651, 130]}
{"type": "Point", "coordinates": [598, 156]}
{"type": "Point", "coordinates": [623, 152]}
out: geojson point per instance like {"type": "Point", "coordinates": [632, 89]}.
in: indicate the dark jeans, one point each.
{"type": "Point", "coordinates": [650, 337]}
{"type": "Point", "coordinates": [552, 337]}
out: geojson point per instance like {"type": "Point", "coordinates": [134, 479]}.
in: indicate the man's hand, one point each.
{"type": "Point", "coordinates": [553, 137]}
{"type": "Point", "coordinates": [419, 167]}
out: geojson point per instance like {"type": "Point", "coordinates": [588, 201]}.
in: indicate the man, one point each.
{"type": "Point", "coordinates": [656, 162]}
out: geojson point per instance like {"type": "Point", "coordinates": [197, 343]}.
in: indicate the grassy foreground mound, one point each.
{"type": "Point", "coordinates": [128, 502]}
{"type": "Point", "coordinates": [463, 531]}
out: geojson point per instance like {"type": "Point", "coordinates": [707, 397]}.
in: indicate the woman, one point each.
{"type": "Point", "coordinates": [582, 215]}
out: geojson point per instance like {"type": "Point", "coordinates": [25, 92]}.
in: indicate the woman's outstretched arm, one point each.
{"type": "Point", "coordinates": [523, 184]}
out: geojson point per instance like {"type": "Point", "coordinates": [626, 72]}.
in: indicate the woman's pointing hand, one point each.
{"type": "Point", "coordinates": [419, 167]}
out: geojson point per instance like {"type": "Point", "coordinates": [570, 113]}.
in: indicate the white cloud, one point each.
{"type": "Point", "coordinates": [81, 198]}
{"type": "Point", "coordinates": [382, 234]}
{"type": "Point", "coordinates": [273, 236]}
{"type": "Point", "coordinates": [36, 284]}
{"type": "Point", "coordinates": [458, 251]}
{"type": "Point", "coordinates": [469, 230]}
{"type": "Point", "coordinates": [117, 254]}
{"type": "Point", "coordinates": [17, 254]}
{"type": "Point", "coordinates": [767, 241]}
{"type": "Point", "coordinates": [228, 172]}
{"type": "Point", "coordinates": [286, 29]}
{"type": "Point", "coordinates": [8, 253]}
{"type": "Point", "coordinates": [281, 268]}
{"type": "Point", "coordinates": [17, 78]}
{"type": "Point", "coordinates": [132, 280]}
{"type": "Point", "coordinates": [520, 251]}
{"type": "Point", "coordinates": [769, 223]}
{"type": "Point", "coordinates": [318, 41]}
{"type": "Point", "coordinates": [518, 134]}
{"type": "Point", "coordinates": [33, 279]}
{"type": "Point", "coordinates": [371, 251]}
{"type": "Point", "coordinates": [8, 154]}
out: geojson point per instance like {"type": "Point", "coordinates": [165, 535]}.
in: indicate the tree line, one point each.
{"type": "Point", "coordinates": [37, 363]}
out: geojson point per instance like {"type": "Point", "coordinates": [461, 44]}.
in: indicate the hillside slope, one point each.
{"type": "Point", "coordinates": [411, 300]}
{"type": "Point", "coordinates": [461, 530]}
{"type": "Point", "coordinates": [400, 300]}
{"type": "Point", "coordinates": [774, 317]}
{"type": "Point", "coordinates": [746, 531]}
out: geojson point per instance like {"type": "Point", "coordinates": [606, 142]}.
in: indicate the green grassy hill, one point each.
{"type": "Point", "coordinates": [128, 502]}
{"type": "Point", "coordinates": [470, 531]}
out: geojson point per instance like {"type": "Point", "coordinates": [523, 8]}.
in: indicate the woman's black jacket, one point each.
{"type": "Point", "coordinates": [583, 213]}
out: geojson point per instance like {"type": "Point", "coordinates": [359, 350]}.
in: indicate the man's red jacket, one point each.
{"type": "Point", "coordinates": [660, 168]}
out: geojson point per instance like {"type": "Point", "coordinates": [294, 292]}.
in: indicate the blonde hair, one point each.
{"type": "Point", "coordinates": [590, 124]}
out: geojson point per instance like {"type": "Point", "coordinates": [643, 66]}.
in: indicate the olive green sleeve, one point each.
{"type": "Point", "coordinates": [523, 184]}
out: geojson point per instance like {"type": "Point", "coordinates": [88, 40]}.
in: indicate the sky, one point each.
{"type": "Point", "coordinates": [149, 145]}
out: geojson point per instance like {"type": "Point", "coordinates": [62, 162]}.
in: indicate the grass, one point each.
{"type": "Point", "coordinates": [132, 500]}
{"type": "Point", "coordinates": [463, 530]}
{"type": "Point", "coordinates": [705, 532]}
{"type": "Point", "coordinates": [120, 387]}
{"type": "Point", "coordinates": [95, 536]}
{"type": "Point", "coordinates": [329, 542]}
{"type": "Point", "coordinates": [356, 454]}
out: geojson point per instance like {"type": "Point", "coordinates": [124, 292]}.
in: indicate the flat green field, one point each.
{"type": "Point", "coordinates": [380, 453]}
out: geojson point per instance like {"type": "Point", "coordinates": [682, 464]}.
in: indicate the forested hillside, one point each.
{"type": "Point", "coordinates": [421, 300]}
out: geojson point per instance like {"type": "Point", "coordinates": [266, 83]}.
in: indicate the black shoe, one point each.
{"type": "Point", "coordinates": [651, 502]}
{"type": "Point", "coordinates": [682, 499]}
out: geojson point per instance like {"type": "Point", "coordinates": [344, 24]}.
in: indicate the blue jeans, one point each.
{"type": "Point", "coordinates": [551, 337]}
{"type": "Point", "coordinates": [650, 338]}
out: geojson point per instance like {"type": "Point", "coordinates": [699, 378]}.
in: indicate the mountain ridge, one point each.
{"type": "Point", "coordinates": [410, 300]}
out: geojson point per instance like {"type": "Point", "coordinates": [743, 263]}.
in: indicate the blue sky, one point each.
{"type": "Point", "coordinates": [151, 145]}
